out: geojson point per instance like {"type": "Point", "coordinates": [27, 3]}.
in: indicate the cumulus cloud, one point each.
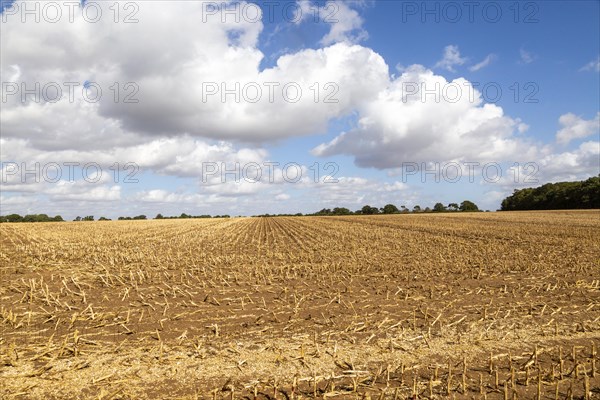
{"type": "Point", "coordinates": [69, 192]}
{"type": "Point", "coordinates": [57, 182]}
{"type": "Point", "coordinates": [554, 166]}
{"type": "Point", "coordinates": [451, 58]}
{"type": "Point", "coordinates": [202, 79]}
{"type": "Point", "coordinates": [161, 196]}
{"type": "Point", "coordinates": [580, 163]}
{"type": "Point", "coordinates": [575, 127]}
{"type": "Point", "coordinates": [346, 24]}
{"type": "Point", "coordinates": [180, 156]}
{"type": "Point", "coordinates": [406, 124]}
{"type": "Point", "coordinates": [354, 191]}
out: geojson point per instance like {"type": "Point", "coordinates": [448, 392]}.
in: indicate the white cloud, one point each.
{"type": "Point", "coordinates": [282, 197]}
{"type": "Point", "coordinates": [179, 156]}
{"type": "Point", "coordinates": [346, 23]}
{"type": "Point", "coordinates": [484, 63]}
{"type": "Point", "coordinates": [393, 187]}
{"type": "Point", "coordinates": [161, 196]}
{"type": "Point", "coordinates": [577, 164]}
{"type": "Point", "coordinates": [526, 56]}
{"type": "Point", "coordinates": [575, 127]}
{"type": "Point", "coordinates": [173, 76]}
{"type": "Point", "coordinates": [451, 58]}
{"type": "Point", "coordinates": [593, 65]}
{"type": "Point", "coordinates": [354, 191]}
{"type": "Point", "coordinates": [69, 192]}
{"type": "Point", "coordinates": [399, 126]}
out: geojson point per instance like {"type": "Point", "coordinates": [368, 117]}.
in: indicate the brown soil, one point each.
{"type": "Point", "coordinates": [486, 305]}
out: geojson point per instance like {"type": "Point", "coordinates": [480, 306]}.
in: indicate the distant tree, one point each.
{"type": "Point", "coordinates": [42, 218]}
{"type": "Point", "coordinates": [439, 207]}
{"type": "Point", "coordinates": [341, 211]}
{"type": "Point", "coordinates": [390, 209]}
{"type": "Point", "coordinates": [140, 217]}
{"type": "Point", "coordinates": [417, 208]}
{"type": "Point", "coordinates": [159, 216]}
{"type": "Point", "coordinates": [468, 206]}
{"type": "Point", "coordinates": [103, 219]}
{"type": "Point", "coordinates": [427, 210]}
{"type": "Point", "coordinates": [324, 211]}
{"type": "Point", "coordinates": [88, 218]}
{"type": "Point", "coordinates": [298, 215]}
{"type": "Point", "coordinates": [30, 218]}
{"type": "Point", "coordinates": [452, 207]}
{"type": "Point", "coordinates": [78, 218]}
{"type": "Point", "coordinates": [368, 210]}
{"type": "Point", "coordinates": [556, 196]}
{"type": "Point", "coordinates": [184, 215]}
{"type": "Point", "coordinates": [404, 209]}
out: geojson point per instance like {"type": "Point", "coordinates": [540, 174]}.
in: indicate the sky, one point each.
{"type": "Point", "coordinates": [121, 108]}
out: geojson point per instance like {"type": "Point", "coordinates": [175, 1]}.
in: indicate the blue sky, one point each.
{"type": "Point", "coordinates": [542, 56]}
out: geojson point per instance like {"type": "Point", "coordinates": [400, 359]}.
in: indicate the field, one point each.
{"type": "Point", "coordinates": [458, 305]}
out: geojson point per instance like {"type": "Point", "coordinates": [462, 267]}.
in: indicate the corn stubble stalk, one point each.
{"type": "Point", "coordinates": [134, 282]}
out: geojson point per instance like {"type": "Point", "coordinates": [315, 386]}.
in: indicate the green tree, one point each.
{"type": "Point", "coordinates": [452, 207]}
{"type": "Point", "coordinates": [324, 211]}
{"type": "Point", "coordinates": [341, 211]}
{"type": "Point", "coordinates": [556, 196]}
{"type": "Point", "coordinates": [159, 216]}
{"type": "Point", "coordinates": [390, 209]}
{"type": "Point", "coordinates": [417, 208]}
{"type": "Point", "coordinates": [368, 210]}
{"type": "Point", "coordinates": [439, 207]}
{"type": "Point", "coordinates": [468, 206]}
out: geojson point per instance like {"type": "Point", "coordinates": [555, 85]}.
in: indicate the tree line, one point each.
{"type": "Point", "coordinates": [556, 196]}
{"type": "Point", "coordinates": [465, 206]}
{"type": "Point", "coordinates": [366, 210]}
{"type": "Point", "coordinates": [58, 218]}
{"type": "Point", "coordinates": [551, 196]}
{"type": "Point", "coordinates": [30, 218]}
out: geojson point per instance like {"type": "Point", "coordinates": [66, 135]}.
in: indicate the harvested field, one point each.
{"type": "Point", "coordinates": [454, 305]}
